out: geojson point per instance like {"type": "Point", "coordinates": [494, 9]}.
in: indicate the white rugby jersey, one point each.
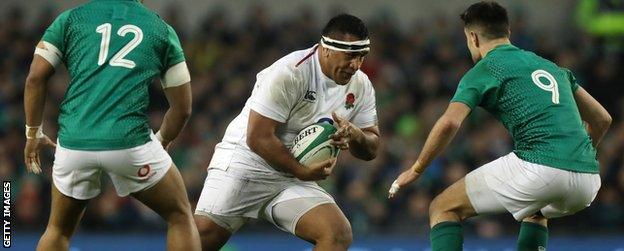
{"type": "Point", "coordinates": [295, 92]}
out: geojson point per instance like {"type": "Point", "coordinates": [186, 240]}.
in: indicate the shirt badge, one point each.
{"type": "Point", "coordinates": [349, 101]}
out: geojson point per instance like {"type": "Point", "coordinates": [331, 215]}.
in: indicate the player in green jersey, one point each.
{"type": "Point", "coordinates": [552, 171]}
{"type": "Point", "coordinates": [113, 49]}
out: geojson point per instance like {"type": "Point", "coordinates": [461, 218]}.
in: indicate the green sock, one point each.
{"type": "Point", "coordinates": [446, 236]}
{"type": "Point", "coordinates": [532, 237]}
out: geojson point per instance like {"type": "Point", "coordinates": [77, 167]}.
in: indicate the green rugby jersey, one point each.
{"type": "Point", "coordinates": [112, 49]}
{"type": "Point", "coordinates": [534, 100]}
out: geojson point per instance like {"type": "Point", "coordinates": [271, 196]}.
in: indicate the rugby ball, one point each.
{"type": "Point", "coordinates": [312, 144]}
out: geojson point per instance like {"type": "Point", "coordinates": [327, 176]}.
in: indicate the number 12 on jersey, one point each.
{"type": "Point", "coordinates": [118, 59]}
{"type": "Point", "coordinates": [552, 87]}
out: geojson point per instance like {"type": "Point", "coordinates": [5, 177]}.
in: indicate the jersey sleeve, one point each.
{"type": "Point", "coordinates": [573, 82]}
{"type": "Point", "coordinates": [367, 115]}
{"type": "Point", "coordinates": [474, 86]}
{"type": "Point", "coordinates": [276, 95]}
{"type": "Point", "coordinates": [175, 54]}
{"type": "Point", "coordinates": [55, 33]}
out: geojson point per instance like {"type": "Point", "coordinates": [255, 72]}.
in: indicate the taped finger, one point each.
{"type": "Point", "coordinates": [394, 187]}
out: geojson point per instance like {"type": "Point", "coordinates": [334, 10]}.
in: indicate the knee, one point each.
{"type": "Point", "coordinates": [443, 210]}
{"type": "Point", "coordinates": [179, 216]}
{"type": "Point", "coordinates": [344, 238]}
{"type": "Point", "coordinates": [203, 226]}
{"type": "Point", "coordinates": [537, 218]}
{"type": "Point", "coordinates": [340, 237]}
{"type": "Point", "coordinates": [435, 207]}
{"type": "Point", "coordinates": [211, 235]}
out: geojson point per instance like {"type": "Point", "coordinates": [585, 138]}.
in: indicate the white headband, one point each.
{"type": "Point", "coordinates": [353, 46]}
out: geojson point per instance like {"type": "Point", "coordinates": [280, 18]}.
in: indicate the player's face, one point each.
{"type": "Point", "coordinates": [343, 65]}
{"type": "Point", "coordinates": [472, 41]}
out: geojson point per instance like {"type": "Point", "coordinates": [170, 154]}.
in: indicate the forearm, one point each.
{"type": "Point", "coordinates": [271, 149]}
{"type": "Point", "coordinates": [365, 146]}
{"type": "Point", "coordinates": [173, 123]}
{"type": "Point", "coordinates": [34, 100]}
{"type": "Point", "coordinates": [441, 134]}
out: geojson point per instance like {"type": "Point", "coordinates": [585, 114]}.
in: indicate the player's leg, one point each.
{"type": "Point", "coordinates": [533, 233]}
{"type": "Point", "coordinates": [306, 210]}
{"type": "Point", "coordinates": [571, 193]}
{"type": "Point", "coordinates": [213, 236]}
{"type": "Point", "coordinates": [446, 212]}
{"type": "Point", "coordinates": [147, 173]}
{"type": "Point", "coordinates": [225, 199]}
{"type": "Point", "coordinates": [65, 214]}
{"type": "Point", "coordinates": [326, 227]}
{"type": "Point", "coordinates": [169, 199]}
{"type": "Point", "coordinates": [76, 179]}
{"type": "Point", "coordinates": [467, 197]}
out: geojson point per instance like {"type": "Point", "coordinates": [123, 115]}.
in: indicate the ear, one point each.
{"type": "Point", "coordinates": [474, 38]}
{"type": "Point", "coordinates": [325, 52]}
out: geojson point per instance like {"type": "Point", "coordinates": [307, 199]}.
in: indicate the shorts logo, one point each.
{"type": "Point", "coordinates": [144, 171]}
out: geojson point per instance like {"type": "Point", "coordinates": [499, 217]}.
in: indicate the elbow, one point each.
{"type": "Point", "coordinates": [606, 120]}
{"type": "Point", "coordinates": [450, 125]}
{"type": "Point", "coordinates": [183, 113]}
{"type": "Point", "coordinates": [33, 80]}
{"type": "Point", "coordinates": [186, 113]}
{"type": "Point", "coordinates": [370, 156]}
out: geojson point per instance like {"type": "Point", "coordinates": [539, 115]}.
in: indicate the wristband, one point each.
{"type": "Point", "coordinates": [38, 134]}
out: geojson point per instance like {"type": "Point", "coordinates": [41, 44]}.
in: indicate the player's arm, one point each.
{"type": "Point", "coordinates": [35, 88]}
{"type": "Point", "coordinates": [262, 140]}
{"type": "Point", "coordinates": [177, 88]}
{"type": "Point", "coordinates": [441, 134]}
{"type": "Point", "coordinates": [364, 146]}
{"type": "Point", "coordinates": [362, 143]}
{"type": "Point", "coordinates": [596, 116]}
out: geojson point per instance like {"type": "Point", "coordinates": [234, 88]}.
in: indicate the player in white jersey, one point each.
{"type": "Point", "coordinates": [252, 173]}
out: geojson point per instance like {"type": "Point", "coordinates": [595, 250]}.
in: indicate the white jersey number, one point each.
{"type": "Point", "coordinates": [551, 86]}
{"type": "Point", "coordinates": [118, 59]}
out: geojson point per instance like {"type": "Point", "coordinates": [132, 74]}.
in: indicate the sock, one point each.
{"type": "Point", "coordinates": [446, 236]}
{"type": "Point", "coordinates": [532, 237]}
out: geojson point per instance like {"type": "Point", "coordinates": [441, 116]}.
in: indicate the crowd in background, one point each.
{"type": "Point", "coordinates": [414, 71]}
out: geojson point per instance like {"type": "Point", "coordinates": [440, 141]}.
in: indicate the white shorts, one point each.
{"type": "Point", "coordinates": [76, 173]}
{"type": "Point", "coordinates": [231, 196]}
{"type": "Point", "coordinates": [523, 188]}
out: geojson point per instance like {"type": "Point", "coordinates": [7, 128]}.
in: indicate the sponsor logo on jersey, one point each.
{"type": "Point", "coordinates": [310, 96]}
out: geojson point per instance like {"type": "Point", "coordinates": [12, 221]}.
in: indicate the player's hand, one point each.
{"type": "Point", "coordinates": [346, 133]}
{"type": "Point", "coordinates": [317, 171]}
{"type": "Point", "coordinates": [31, 152]}
{"type": "Point", "coordinates": [405, 178]}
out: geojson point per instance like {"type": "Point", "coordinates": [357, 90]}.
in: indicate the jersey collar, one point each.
{"type": "Point", "coordinates": [504, 46]}
{"type": "Point", "coordinates": [501, 47]}
{"type": "Point", "coordinates": [317, 64]}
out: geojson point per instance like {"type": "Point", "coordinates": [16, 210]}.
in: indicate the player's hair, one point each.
{"type": "Point", "coordinates": [490, 17]}
{"type": "Point", "coordinates": [345, 24]}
